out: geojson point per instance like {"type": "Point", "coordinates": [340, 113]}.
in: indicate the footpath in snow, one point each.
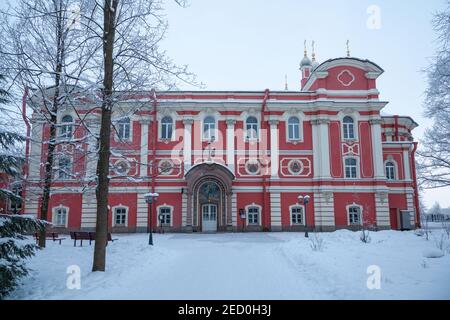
{"type": "Point", "coordinates": [244, 266]}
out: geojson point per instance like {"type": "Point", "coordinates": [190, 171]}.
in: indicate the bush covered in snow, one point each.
{"type": "Point", "coordinates": [433, 253]}
{"type": "Point", "coordinates": [14, 249]}
{"type": "Point", "coordinates": [317, 242]}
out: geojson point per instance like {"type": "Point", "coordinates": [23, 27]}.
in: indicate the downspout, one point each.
{"type": "Point", "coordinates": [416, 191]}
{"type": "Point", "coordinates": [265, 203]}
{"type": "Point", "coordinates": [153, 158]}
{"type": "Point", "coordinates": [26, 165]}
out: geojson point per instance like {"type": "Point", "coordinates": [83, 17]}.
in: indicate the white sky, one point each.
{"type": "Point", "coordinates": [252, 44]}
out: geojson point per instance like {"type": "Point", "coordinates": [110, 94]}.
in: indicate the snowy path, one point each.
{"type": "Point", "coordinates": [243, 266]}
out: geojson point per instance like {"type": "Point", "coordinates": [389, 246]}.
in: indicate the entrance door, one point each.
{"type": "Point", "coordinates": [393, 214]}
{"type": "Point", "coordinates": [209, 218]}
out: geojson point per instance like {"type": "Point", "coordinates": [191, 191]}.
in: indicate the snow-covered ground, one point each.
{"type": "Point", "coordinates": [244, 266]}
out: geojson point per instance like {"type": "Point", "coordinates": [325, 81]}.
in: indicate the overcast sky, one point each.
{"type": "Point", "coordinates": [252, 44]}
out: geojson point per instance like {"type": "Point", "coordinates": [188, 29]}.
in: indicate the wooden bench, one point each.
{"type": "Point", "coordinates": [84, 235]}
{"type": "Point", "coordinates": [49, 235]}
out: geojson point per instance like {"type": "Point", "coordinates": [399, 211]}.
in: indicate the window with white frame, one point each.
{"type": "Point", "coordinates": [66, 131]}
{"type": "Point", "coordinates": [293, 129]}
{"type": "Point", "coordinates": [209, 128]}
{"type": "Point", "coordinates": [15, 205]}
{"type": "Point", "coordinates": [349, 128]}
{"type": "Point", "coordinates": [124, 129]}
{"type": "Point", "coordinates": [64, 168]}
{"type": "Point", "coordinates": [354, 215]}
{"type": "Point", "coordinates": [252, 128]}
{"type": "Point", "coordinates": [253, 215]}
{"type": "Point", "coordinates": [120, 216]}
{"type": "Point", "coordinates": [390, 170]}
{"type": "Point", "coordinates": [60, 216]}
{"type": "Point", "coordinates": [351, 168]}
{"type": "Point", "coordinates": [166, 128]}
{"type": "Point", "coordinates": [165, 216]}
{"type": "Point", "coordinates": [297, 215]}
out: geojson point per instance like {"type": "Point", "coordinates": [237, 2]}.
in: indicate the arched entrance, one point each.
{"type": "Point", "coordinates": [209, 198]}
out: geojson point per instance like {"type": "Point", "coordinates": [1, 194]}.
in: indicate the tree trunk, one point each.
{"type": "Point", "coordinates": [109, 12]}
{"type": "Point", "coordinates": [53, 122]}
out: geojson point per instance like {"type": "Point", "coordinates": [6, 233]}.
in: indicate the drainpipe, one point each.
{"type": "Point", "coordinates": [396, 127]}
{"type": "Point", "coordinates": [266, 203]}
{"type": "Point", "coordinates": [27, 144]}
{"type": "Point", "coordinates": [416, 191]}
{"type": "Point", "coordinates": [153, 159]}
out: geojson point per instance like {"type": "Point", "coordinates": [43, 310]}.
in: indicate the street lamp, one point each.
{"type": "Point", "coordinates": [149, 198]}
{"type": "Point", "coordinates": [305, 201]}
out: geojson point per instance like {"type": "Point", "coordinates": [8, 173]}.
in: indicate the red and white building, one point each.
{"type": "Point", "coordinates": [237, 160]}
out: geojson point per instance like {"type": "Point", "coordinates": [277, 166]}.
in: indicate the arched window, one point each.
{"type": "Point", "coordinates": [252, 128]}
{"type": "Point", "coordinates": [124, 129]}
{"type": "Point", "coordinates": [354, 215]}
{"type": "Point", "coordinates": [166, 128]}
{"type": "Point", "coordinates": [390, 170]}
{"type": "Point", "coordinates": [67, 127]}
{"type": "Point", "coordinates": [349, 128]}
{"type": "Point", "coordinates": [293, 128]}
{"type": "Point", "coordinates": [60, 216]}
{"type": "Point", "coordinates": [120, 216]}
{"type": "Point", "coordinates": [15, 204]}
{"type": "Point", "coordinates": [209, 128]}
{"type": "Point", "coordinates": [64, 168]}
{"type": "Point", "coordinates": [351, 168]}
{"type": "Point", "coordinates": [297, 215]}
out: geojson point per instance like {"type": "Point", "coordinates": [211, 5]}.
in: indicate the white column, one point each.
{"type": "Point", "coordinates": [230, 144]}
{"type": "Point", "coordinates": [321, 146]}
{"type": "Point", "coordinates": [144, 148]}
{"type": "Point", "coordinates": [406, 164]}
{"type": "Point", "coordinates": [274, 150]}
{"type": "Point", "coordinates": [34, 157]}
{"type": "Point", "coordinates": [187, 139]}
{"type": "Point", "coordinates": [377, 149]}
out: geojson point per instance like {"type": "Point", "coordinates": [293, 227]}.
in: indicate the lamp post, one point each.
{"type": "Point", "coordinates": [305, 201]}
{"type": "Point", "coordinates": [149, 198]}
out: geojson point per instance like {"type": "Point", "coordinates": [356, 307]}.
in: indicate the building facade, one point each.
{"type": "Point", "coordinates": [235, 161]}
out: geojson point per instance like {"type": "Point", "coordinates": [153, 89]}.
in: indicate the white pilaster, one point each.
{"type": "Point", "coordinates": [184, 209]}
{"type": "Point", "coordinates": [274, 150]}
{"type": "Point", "coordinates": [321, 146]}
{"type": "Point", "coordinates": [142, 212]}
{"type": "Point", "coordinates": [88, 210]}
{"type": "Point", "coordinates": [377, 149]}
{"type": "Point", "coordinates": [234, 213]}
{"type": "Point", "coordinates": [275, 211]}
{"type": "Point", "coordinates": [34, 161]}
{"type": "Point", "coordinates": [382, 209]}
{"type": "Point", "coordinates": [187, 139]}
{"type": "Point", "coordinates": [323, 209]}
{"type": "Point", "coordinates": [143, 171]}
{"type": "Point", "coordinates": [406, 165]}
{"type": "Point", "coordinates": [230, 144]}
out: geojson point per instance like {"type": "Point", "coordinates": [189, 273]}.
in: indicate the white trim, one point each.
{"type": "Point", "coordinates": [303, 214]}
{"type": "Point", "coordinates": [113, 214]}
{"type": "Point", "coordinates": [259, 214]}
{"type": "Point", "coordinates": [350, 74]}
{"type": "Point", "coordinates": [117, 130]}
{"type": "Point", "coordinates": [215, 130]}
{"type": "Point", "coordinates": [300, 129]}
{"type": "Point", "coordinates": [396, 176]}
{"type": "Point", "coordinates": [165, 205]}
{"type": "Point", "coordinates": [258, 129]}
{"type": "Point", "coordinates": [54, 215]}
{"type": "Point", "coordinates": [347, 208]}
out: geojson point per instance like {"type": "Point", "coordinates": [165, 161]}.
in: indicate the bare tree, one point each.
{"type": "Point", "coordinates": [43, 50]}
{"type": "Point", "coordinates": [434, 154]}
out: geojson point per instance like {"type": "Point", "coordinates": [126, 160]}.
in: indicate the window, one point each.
{"type": "Point", "coordinates": [15, 205]}
{"type": "Point", "coordinates": [166, 128]}
{"type": "Point", "coordinates": [253, 215]}
{"type": "Point", "coordinates": [252, 167]}
{"type": "Point", "coordinates": [252, 128]}
{"type": "Point", "coordinates": [124, 129]}
{"type": "Point", "coordinates": [349, 128]}
{"type": "Point", "coordinates": [354, 215]}
{"type": "Point", "coordinates": [295, 167]}
{"type": "Point", "coordinates": [351, 168]}
{"type": "Point", "coordinates": [120, 216]}
{"type": "Point", "coordinates": [297, 215]}
{"type": "Point", "coordinates": [60, 217]}
{"type": "Point", "coordinates": [390, 170]}
{"type": "Point", "coordinates": [66, 127]}
{"type": "Point", "coordinates": [165, 216]}
{"type": "Point", "coordinates": [65, 168]}
{"type": "Point", "coordinates": [293, 128]}
{"type": "Point", "coordinates": [209, 128]}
